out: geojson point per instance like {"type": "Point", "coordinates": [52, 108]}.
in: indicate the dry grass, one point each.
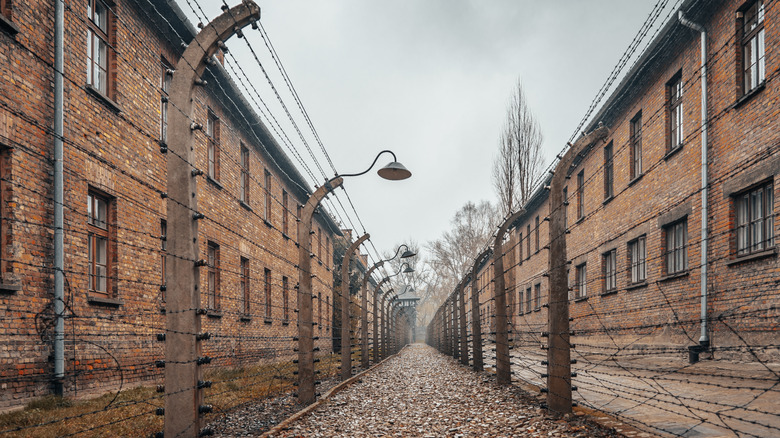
{"type": "Point", "coordinates": [132, 413]}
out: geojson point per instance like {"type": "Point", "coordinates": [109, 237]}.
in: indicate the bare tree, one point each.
{"type": "Point", "coordinates": [519, 163]}
{"type": "Point", "coordinates": [452, 255]}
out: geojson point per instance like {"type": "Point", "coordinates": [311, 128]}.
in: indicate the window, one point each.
{"type": "Point", "coordinates": [212, 302]}
{"type": "Point", "coordinates": [637, 253]}
{"type": "Point", "coordinates": [99, 247]}
{"type": "Point", "coordinates": [674, 90]}
{"type": "Point", "coordinates": [635, 141]}
{"type": "Point", "coordinates": [609, 174]}
{"type": "Point", "coordinates": [212, 132]}
{"type": "Point", "coordinates": [538, 296]}
{"type": "Point", "coordinates": [319, 311]}
{"type": "Point", "coordinates": [610, 271]}
{"type": "Point", "coordinates": [5, 238]}
{"type": "Point", "coordinates": [244, 190]}
{"type": "Point", "coordinates": [752, 29]}
{"type": "Point", "coordinates": [327, 312]}
{"type": "Point", "coordinates": [676, 247]}
{"type": "Point", "coordinates": [565, 207]}
{"type": "Point", "coordinates": [297, 218]}
{"type": "Point", "coordinates": [528, 300]}
{"type": "Point", "coordinates": [536, 233]}
{"type": "Point", "coordinates": [244, 285]}
{"type": "Point", "coordinates": [166, 77]}
{"type": "Point", "coordinates": [267, 279]}
{"type": "Point", "coordinates": [285, 221]}
{"type": "Point", "coordinates": [267, 180]}
{"type": "Point", "coordinates": [528, 240]}
{"type": "Point", "coordinates": [520, 247]}
{"type": "Point", "coordinates": [163, 252]}
{"type": "Point", "coordinates": [319, 243]}
{"type": "Point", "coordinates": [100, 55]}
{"type": "Point", "coordinates": [755, 219]}
{"type": "Point", "coordinates": [581, 194]}
{"type": "Point", "coordinates": [286, 299]}
{"type": "Point", "coordinates": [327, 251]}
{"type": "Point", "coordinates": [581, 282]}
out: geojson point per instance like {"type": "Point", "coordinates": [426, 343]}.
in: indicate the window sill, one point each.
{"type": "Point", "coordinates": [538, 309]}
{"type": "Point", "coordinates": [268, 320]}
{"type": "Point", "coordinates": [581, 299]}
{"type": "Point", "coordinates": [113, 106]}
{"type": "Point", "coordinates": [214, 182]}
{"type": "Point", "coordinates": [767, 253]}
{"type": "Point", "coordinates": [607, 200]}
{"type": "Point", "coordinates": [285, 323]}
{"type": "Point", "coordinates": [749, 95]}
{"type": "Point", "coordinates": [636, 285]}
{"type": "Point", "coordinates": [608, 293]}
{"type": "Point", "coordinates": [211, 313]}
{"type": "Point", "coordinates": [9, 288]}
{"type": "Point", "coordinates": [674, 276]}
{"type": "Point", "coordinates": [104, 301]}
{"type": "Point", "coordinates": [7, 26]}
{"type": "Point", "coordinates": [319, 262]}
{"type": "Point", "coordinates": [579, 219]}
{"type": "Point", "coordinates": [636, 179]}
{"type": "Point", "coordinates": [673, 151]}
{"type": "Point", "coordinates": [245, 318]}
{"type": "Point", "coordinates": [285, 236]}
{"type": "Point", "coordinates": [245, 205]}
{"type": "Point", "coordinates": [267, 224]}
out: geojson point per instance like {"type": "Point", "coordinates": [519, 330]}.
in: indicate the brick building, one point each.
{"type": "Point", "coordinates": [118, 57]}
{"type": "Point", "coordinates": [634, 199]}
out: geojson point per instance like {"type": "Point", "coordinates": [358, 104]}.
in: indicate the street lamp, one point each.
{"type": "Point", "coordinates": [364, 303]}
{"type": "Point", "coordinates": [306, 395]}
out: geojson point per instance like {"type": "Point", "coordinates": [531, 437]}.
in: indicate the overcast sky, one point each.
{"type": "Point", "coordinates": [430, 80]}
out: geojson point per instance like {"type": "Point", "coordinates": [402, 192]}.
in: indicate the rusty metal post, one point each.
{"type": "Point", "coordinates": [306, 393]}
{"type": "Point", "coordinates": [364, 359]}
{"type": "Point", "coordinates": [503, 364]}
{"type": "Point", "coordinates": [464, 350]}
{"type": "Point", "coordinates": [346, 344]}
{"type": "Point", "coordinates": [183, 396]}
{"type": "Point", "coordinates": [476, 327]}
{"type": "Point", "coordinates": [558, 344]}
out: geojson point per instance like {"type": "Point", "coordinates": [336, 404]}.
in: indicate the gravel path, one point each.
{"type": "Point", "coordinates": [421, 393]}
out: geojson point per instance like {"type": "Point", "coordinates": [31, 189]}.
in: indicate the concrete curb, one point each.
{"type": "Point", "coordinates": [284, 425]}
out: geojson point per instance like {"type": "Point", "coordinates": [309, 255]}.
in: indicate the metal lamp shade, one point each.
{"type": "Point", "coordinates": [394, 171]}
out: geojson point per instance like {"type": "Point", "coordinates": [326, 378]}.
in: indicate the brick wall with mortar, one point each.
{"type": "Point", "coordinates": [111, 147]}
{"type": "Point", "coordinates": [743, 150]}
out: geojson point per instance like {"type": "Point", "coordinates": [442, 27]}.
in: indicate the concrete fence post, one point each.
{"type": "Point", "coordinates": [464, 350]}
{"type": "Point", "coordinates": [476, 327]}
{"type": "Point", "coordinates": [503, 363]}
{"type": "Point", "coordinates": [346, 343]}
{"type": "Point", "coordinates": [183, 396]}
{"type": "Point", "coordinates": [558, 343]}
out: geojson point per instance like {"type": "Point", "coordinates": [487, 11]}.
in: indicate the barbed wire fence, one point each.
{"type": "Point", "coordinates": [247, 341]}
{"type": "Point", "coordinates": [634, 348]}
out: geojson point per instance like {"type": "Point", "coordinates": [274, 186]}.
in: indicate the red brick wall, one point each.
{"type": "Point", "coordinates": [117, 153]}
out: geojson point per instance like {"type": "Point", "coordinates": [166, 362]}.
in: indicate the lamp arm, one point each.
{"type": "Point", "coordinates": [398, 251]}
{"type": "Point", "coordinates": [370, 167]}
